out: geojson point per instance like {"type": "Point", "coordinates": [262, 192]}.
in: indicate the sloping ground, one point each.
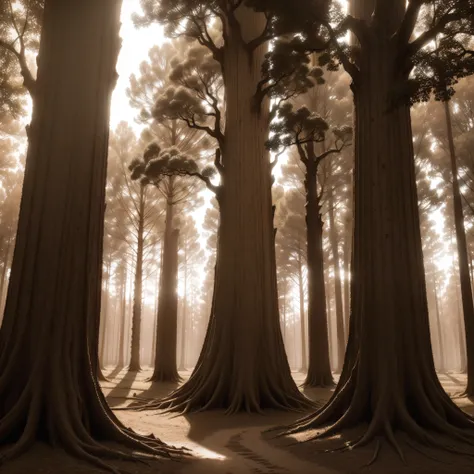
{"type": "Point", "coordinates": [234, 444]}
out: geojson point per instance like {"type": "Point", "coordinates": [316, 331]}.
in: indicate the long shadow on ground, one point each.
{"type": "Point", "coordinates": [113, 373]}
{"type": "Point", "coordinates": [121, 390]}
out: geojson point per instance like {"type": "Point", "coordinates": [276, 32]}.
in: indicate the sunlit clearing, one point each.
{"type": "Point", "coordinates": [204, 453]}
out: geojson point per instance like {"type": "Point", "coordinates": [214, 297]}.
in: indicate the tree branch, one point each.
{"type": "Point", "coordinates": [431, 34]}
{"type": "Point", "coordinates": [407, 27]}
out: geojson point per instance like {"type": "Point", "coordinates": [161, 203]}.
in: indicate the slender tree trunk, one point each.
{"type": "Point", "coordinates": [319, 368]}
{"type": "Point", "coordinates": [347, 275]}
{"type": "Point", "coordinates": [243, 364]}
{"type": "Point", "coordinates": [122, 315]}
{"type": "Point", "coordinates": [341, 345]}
{"type": "Point", "coordinates": [463, 259]}
{"type": "Point", "coordinates": [49, 391]}
{"type": "Point", "coordinates": [304, 357]}
{"type": "Point", "coordinates": [182, 364]}
{"type": "Point", "coordinates": [105, 318]}
{"type": "Point", "coordinates": [441, 367]}
{"type": "Point", "coordinates": [138, 289]}
{"type": "Point", "coordinates": [285, 290]}
{"type": "Point", "coordinates": [166, 369]}
{"type": "Point", "coordinates": [330, 330]}
{"type": "Point", "coordinates": [388, 380]}
{"type": "Point", "coordinates": [461, 331]}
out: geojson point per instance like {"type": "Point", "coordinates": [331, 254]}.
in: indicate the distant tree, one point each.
{"type": "Point", "coordinates": [53, 299]}
{"type": "Point", "coordinates": [20, 27]}
{"type": "Point", "coordinates": [136, 212]}
{"type": "Point", "coordinates": [171, 173]}
{"type": "Point", "coordinates": [190, 256]}
{"type": "Point", "coordinates": [291, 257]}
{"type": "Point", "coordinates": [305, 130]}
{"type": "Point", "coordinates": [10, 193]}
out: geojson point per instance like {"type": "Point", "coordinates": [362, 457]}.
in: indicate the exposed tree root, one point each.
{"type": "Point", "coordinates": [196, 396]}
{"type": "Point", "coordinates": [428, 417]}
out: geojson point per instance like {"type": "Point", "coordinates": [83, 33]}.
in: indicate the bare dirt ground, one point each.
{"type": "Point", "coordinates": [234, 444]}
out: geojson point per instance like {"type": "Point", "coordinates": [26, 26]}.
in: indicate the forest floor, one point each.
{"type": "Point", "coordinates": [234, 444]}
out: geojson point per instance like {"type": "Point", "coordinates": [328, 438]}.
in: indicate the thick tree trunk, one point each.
{"type": "Point", "coordinates": [319, 367]}
{"type": "Point", "coordinates": [243, 364]}
{"type": "Point", "coordinates": [304, 356]}
{"type": "Point", "coordinates": [463, 259]}
{"type": "Point", "coordinates": [167, 318]}
{"type": "Point", "coordinates": [389, 380]}
{"type": "Point", "coordinates": [49, 390]}
{"type": "Point", "coordinates": [138, 289]}
{"type": "Point", "coordinates": [341, 343]}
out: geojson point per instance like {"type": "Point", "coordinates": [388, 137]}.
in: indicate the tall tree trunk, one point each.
{"type": "Point", "coordinates": [347, 274]}
{"type": "Point", "coordinates": [122, 314]}
{"type": "Point", "coordinates": [463, 259]}
{"type": "Point", "coordinates": [461, 331]}
{"type": "Point", "coordinates": [388, 380]}
{"type": "Point", "coordinates": [304, 357]}
{"type": "Point", "coordinates": [182, 363]}
{"type": "Point", "coordinates": [319, 367]}
{"type": "Point", "coordinates": [330, 330]}
{"type": "Point", "coordinates": [105, 318]}
{"type": "Point", "coordinates": [50, 391]}
{"type": "Point", "coordinates": [243, 364]}
{"type": "Point", "coordinates": [138, 289]}
{"type": "Point", "coordinates": [441, 366]}
{"type": "Point", "coordinates": [166, 369]}
{"type": "Point", "coordinates": [341, 344]}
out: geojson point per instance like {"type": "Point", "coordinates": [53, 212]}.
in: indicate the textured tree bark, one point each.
{"type": "Point", "coordinates": [166, 369]}
{"type": "Point", "coordinates": [243, 364]}
{"type": "Point", "coordinates": [341, 344]}
{"type": "Point", "coordinates": [319, 367]}
{"type": "Point", "coordinates": [304, 356]}
{"type": "Point", "coordinates": [388, 382]}
{"type": "Point", "coordinates": [463, 258]}
{"type": "Point", "coordinates": [138, 289]}
{"type": "Point", "coordinates": [48, 389]}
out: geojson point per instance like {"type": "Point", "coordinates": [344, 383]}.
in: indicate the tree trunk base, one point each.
{"type": "Point", "coordinates": [318, 380]}
{"type": "Point", "coordinates": [57, 417]}
{"type": "Point", "coordinates": [212, 391]}
{"type": "Point", "coordinates": [134, 368]}
{"type": "Point", "coordinates": [162, 375]}
{"type": "Point", "coordinates": [427, 417]}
